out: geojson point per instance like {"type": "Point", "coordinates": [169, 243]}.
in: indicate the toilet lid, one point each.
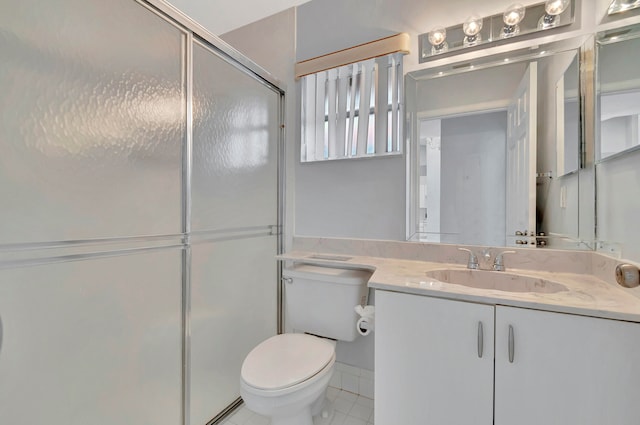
{"type": "Point", "coordinates": [286, 360]}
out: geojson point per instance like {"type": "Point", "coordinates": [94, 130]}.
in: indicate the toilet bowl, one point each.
{"type": "Point", "coordinates": [286, 378]}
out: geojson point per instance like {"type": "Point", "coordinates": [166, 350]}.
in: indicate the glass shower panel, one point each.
{"type": "Point", "coordinates": [235, 146]}
{"type": "Point", "coordinates": [233, 308]}
{"type": "Point", "coordinates": [92, 120]}
{"type": "Point", "coordinates": [95, 342]}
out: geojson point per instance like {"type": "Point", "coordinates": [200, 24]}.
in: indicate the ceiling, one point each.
{"type": "Point", "coordinates": [221, 16]}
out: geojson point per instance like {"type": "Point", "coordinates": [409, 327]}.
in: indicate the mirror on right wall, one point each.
{"type": "Point", "coordinates": [618, 142]}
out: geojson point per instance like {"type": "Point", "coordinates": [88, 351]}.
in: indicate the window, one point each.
{"type": "Point", "coordinates": [353, 111]}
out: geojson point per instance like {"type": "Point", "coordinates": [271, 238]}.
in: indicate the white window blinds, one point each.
{"type": "Point", "coordinates": [353, 111]}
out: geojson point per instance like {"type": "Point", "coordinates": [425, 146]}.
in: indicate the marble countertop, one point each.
{"type": "Point", "coordinates": [586, 295]}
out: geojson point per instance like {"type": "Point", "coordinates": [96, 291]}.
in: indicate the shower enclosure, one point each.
{"type": "Point", "coordinates": [140, 214]}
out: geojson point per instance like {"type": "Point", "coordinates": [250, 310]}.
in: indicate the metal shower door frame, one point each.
{"type": "Point", "coordinates": [196, 33]}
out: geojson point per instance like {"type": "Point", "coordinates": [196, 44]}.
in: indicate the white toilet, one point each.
{"type": "Point", "coordinates": [286, 376]}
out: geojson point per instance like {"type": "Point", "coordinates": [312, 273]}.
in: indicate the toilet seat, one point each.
{"type": "Point", "coordinates": [286, 361]}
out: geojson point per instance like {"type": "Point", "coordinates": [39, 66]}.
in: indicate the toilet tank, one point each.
{"type": "Point", "coordinates": [321, 300]}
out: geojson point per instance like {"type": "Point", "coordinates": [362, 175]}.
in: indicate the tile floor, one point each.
{"type": "Point", "coordinates": [350, 409]}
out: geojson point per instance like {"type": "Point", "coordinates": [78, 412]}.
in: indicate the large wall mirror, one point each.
{"type": "Point", "coordinates": [497, 151]}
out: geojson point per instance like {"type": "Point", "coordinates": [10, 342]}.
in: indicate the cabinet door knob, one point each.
{"type": "Point", "coordinates": [480, 340]}
{"type": "Point", "coordinates": [511, 344]}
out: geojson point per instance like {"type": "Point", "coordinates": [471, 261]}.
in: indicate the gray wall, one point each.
{"type": "Point", "coordinates": [351, 198]}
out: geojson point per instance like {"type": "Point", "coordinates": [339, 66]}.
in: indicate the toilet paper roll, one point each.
{"type": "Point", "coordinates": [367, 314]}
{"type": "Point", "coordinates": [365, 325]}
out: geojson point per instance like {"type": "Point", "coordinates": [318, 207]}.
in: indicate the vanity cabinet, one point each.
{"type": "Point", "coordinates": [550, 368]}
{"type": "Point", "coordinates": [566, 369]}
{"type": "Point", "coordinates": [428, 368]}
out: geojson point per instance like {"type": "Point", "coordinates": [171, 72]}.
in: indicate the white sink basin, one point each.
{"type": "Point", "coordinates": [501, 281]}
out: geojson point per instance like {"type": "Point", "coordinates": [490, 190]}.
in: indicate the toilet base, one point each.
{"type": "Point", "coordinates": [302, 418]}
{"type": "Point", "coordinates": [325, 414]}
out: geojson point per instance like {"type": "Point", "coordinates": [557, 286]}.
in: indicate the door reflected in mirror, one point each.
{"type": "Point", "coordinates": [619, 92]}
{"type": "Point", "coordinates": [488, 166]}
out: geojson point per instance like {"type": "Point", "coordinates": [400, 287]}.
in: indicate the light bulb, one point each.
{"type": "Point", "coordinates": [472, 25]}
{"type": "Point", "coordinates": [437, 36]}
{"type": "Point", "coordinates": [471, 28]}
{"type": "Point", "coordinates": [556, 7]}
{"type": "Point", "coordinates": [514, 14]}
{"type": "Point", "coordinates": [512, 17]}
{"type": "Point", "coordinates": [552, 8]}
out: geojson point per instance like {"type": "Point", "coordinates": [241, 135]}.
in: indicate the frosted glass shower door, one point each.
{"type": "Point", "coordinates": [92, 121]}
{"type": "Point", "coordinates": [96, 341]}
{"type": "Point", "coordinates": [139, 215]}
{"type": "Point", "coordinates": [234, 210]}
{"type": "Point", "coordinates": [92, 130]}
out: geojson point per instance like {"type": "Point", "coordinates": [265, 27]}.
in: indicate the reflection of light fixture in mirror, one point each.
{"type": "Point", "coordinates": [552, 8]}
{"type": "Point", "coordinates": [619, 6]}
{"type": "Point", "coordinates": [471, 29]}
{"type": "Point", "coordinates": [512, 17]}
{"type": "Point", "coordinates": [437, 38]}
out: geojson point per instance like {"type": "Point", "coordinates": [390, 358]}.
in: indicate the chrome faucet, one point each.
{"type": "Point", "coordinates": [473, 259]}
{"type": "Point", "coordinates": [498, 262]}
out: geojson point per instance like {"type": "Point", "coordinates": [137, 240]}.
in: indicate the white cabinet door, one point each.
{"type": "Point", "coordinates": [566, 370]}
{"type": "Point", "coordinates": [428, 367]}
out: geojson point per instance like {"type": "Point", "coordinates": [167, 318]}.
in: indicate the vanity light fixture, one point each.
{"type": "Point", "coordinates": [438, 40]}
{"type": "Point", "coordinates": [477, 31]}
{"type": "Point", "coordinates": [512, 17]}
{"type": "Point", "coordinates": [552, 8]}
{"type": "Point", "coordinates": [471, 29]}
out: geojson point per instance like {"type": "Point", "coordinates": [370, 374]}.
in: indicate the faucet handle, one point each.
{"type": "Point", "coordinates": [498, 262]}
{"type": "Point", "coordinates": [473, 259]}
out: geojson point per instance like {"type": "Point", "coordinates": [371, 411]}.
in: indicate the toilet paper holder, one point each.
{"type": "Point", "coordinates": [365, 324]}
